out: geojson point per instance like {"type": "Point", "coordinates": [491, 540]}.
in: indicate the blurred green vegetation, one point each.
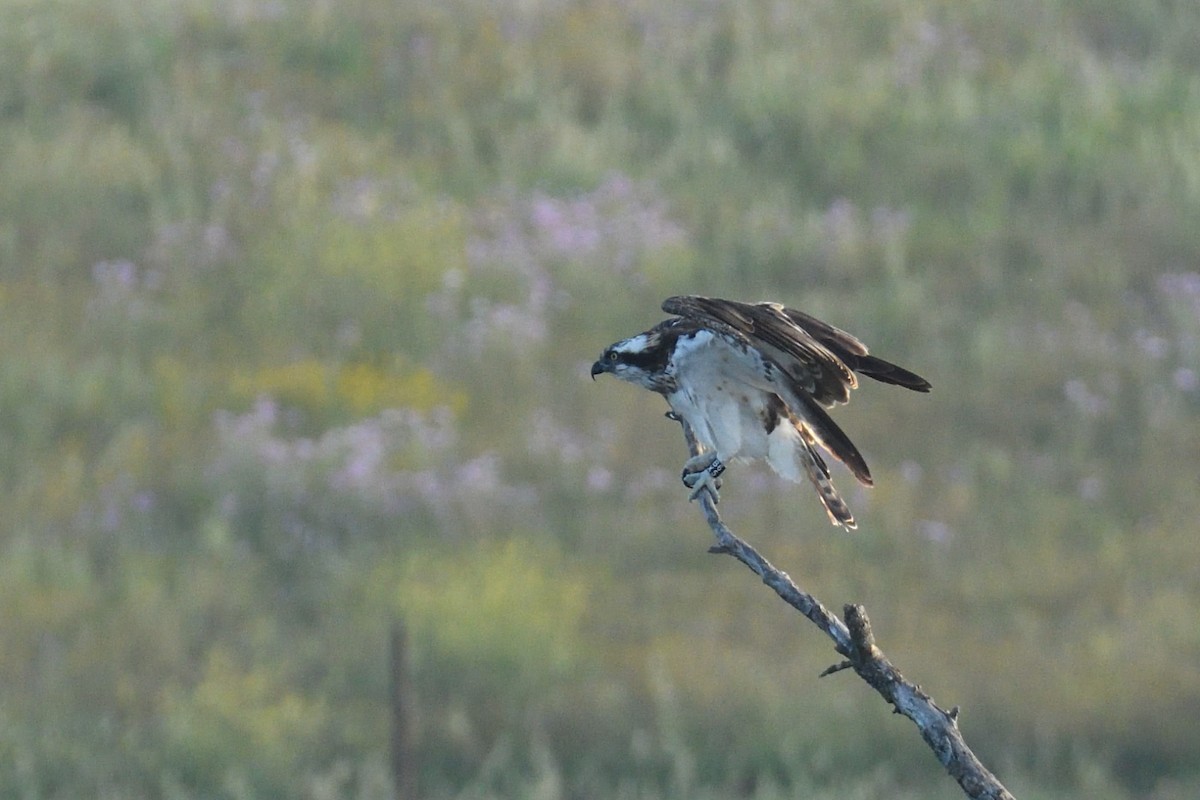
{"type": "Point", "coordinates": [297, 300]}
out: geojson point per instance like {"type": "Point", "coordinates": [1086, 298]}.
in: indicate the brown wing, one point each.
{"type": "Point", "coordinates": [811, 365]}
{"type": "Point", "coordinates": [854, 353]}
{"type": "Point", "coordinates": [818, 360]}
{"type": "Point", "coordinates": [812, 375]}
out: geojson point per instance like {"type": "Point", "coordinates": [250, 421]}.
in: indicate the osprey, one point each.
{"type": "Point", "coordinates": [753, 382]}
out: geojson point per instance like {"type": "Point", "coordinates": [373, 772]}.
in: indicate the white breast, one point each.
{"type": "Point", "coordinates": [719, 398]}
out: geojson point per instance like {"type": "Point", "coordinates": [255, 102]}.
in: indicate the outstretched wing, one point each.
{"type": "Point", "coordinates": [817, 361]}
{"type": "Point", "coordinates": [853, 353]}
{"type": "Point", "coordinates": [802, 371]}
{"type": "Point", "coordinates": [809, 364]}
{"type": "Point", "coordinates": [818, 357]}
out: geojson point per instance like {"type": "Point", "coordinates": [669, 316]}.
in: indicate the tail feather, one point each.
{"type": "Point", "coordinates": [835, 506]}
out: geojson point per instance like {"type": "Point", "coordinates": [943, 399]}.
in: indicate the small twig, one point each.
{"type": "Point", "coordinates": [855, 640]}
{"type": "Point", "coordinates": [835, 668]}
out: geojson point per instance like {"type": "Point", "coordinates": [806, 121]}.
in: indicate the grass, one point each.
{"type": "Point", "coordinates": [296, 305]}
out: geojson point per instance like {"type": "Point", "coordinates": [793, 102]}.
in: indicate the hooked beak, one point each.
{"type": "Point", "coordinates": [598, 368]}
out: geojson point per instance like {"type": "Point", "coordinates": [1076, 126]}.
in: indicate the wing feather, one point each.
{"type": "Point", "coordinates": [819, 357]}
{"type": "Point", "coordinates": [810, 365]}
{"type": "Point", "coordinates": [818, 362]}
{"type": "Point", "coordinates": [854, 353]}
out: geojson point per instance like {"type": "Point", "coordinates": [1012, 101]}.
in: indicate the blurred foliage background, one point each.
{"type": "Point", "coordinates": [297, 300]}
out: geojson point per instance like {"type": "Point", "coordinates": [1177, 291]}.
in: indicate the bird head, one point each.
{"type": "Point", "coordinates": [640, 360]}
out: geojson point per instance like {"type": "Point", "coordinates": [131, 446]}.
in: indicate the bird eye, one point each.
{"type": "Point", "coordinates": [612, 355]}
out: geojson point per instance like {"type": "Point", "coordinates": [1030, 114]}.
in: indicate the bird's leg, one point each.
{"type": "Point", "coordinates": [695, 466]}
{"type": "Point", "coordinates": [702, 472]}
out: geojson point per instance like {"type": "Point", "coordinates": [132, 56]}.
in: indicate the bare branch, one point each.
{"type": "Point", "coordinates": [855, 640]}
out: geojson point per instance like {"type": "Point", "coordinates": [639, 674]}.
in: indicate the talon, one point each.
{"type": "Point", "coordinates": [702, 473]}
{"type": "Point", "coordinates": [697, 464]}
{"type": "Point", "coordinates": [706, 482]}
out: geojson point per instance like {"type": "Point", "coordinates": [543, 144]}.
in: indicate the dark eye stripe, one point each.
{"type": "Point", "coordinates": [652, 360]}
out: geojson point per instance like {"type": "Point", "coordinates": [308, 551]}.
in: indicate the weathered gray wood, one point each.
{"type": "Point", "coordinates": [853, 639]}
